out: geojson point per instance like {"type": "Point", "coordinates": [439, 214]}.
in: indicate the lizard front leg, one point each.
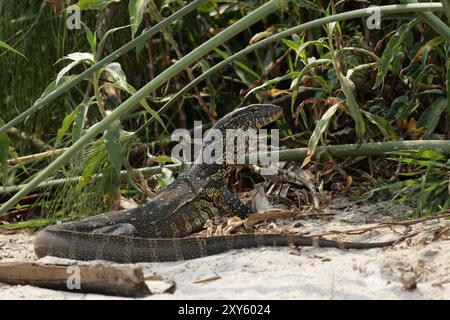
{"type": "Point", "coordinates": [231, 203]}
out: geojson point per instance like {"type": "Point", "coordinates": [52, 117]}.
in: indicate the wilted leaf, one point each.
{"type": "Point", "coordinates": [115, 70]}
{"type": "Point", "coordinates": [77, 58]}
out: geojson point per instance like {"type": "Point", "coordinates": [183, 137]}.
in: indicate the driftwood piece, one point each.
{"type": "Point", "coordinates": [127, 280]}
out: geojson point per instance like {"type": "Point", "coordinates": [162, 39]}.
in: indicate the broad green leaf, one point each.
{"type": "Point", "coordinates": [382, 124]}
{"type": "Point", "coordinates": [94, 4]}
{"type": "Point", "coordinates": [91, 37]}
{"type": "Point", "coordinates": [4, 151]}
{"type": "Point", "coordinates": [431, 116]}
{"type": "Point", "coordinates": [65, 126]}
{"type": "Point", "coordinates": [321, 126]}
{"type": "Point", "coordinates": [111, 172]}
{"type": "Point", "coordinates": [136, 9]}
{"type": "Point", "coordinates": [392, 48]}
{"type": "Point", "coordinates": [113, 146]}
{"type": "Point", "coordinates": [319, 44]}
{"type": "Point", "coordinates": [291, 44]}
{"type": "Point", "coordinates": [352, 105]}
{"type": "Point", "coordinates": [9, 48]}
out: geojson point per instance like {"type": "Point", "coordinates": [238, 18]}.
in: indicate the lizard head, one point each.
{"type": "Point", "coordinates": [253, 116]}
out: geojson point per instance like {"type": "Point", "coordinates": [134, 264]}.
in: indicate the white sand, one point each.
{"type": "Point", "coordinates": [288, 273]}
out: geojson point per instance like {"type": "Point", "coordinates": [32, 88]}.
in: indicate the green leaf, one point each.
{"type": "Point", "coordinates": [431, 116]}
{"type": "Point", "coordinates": [320, 128]}
{"type": "Point", "coordinates": [111, 172]}
{"type": "Point", "coordinates": [165, 178]}
{"type": "Point", "coordinates": [291, 44]}
{"type": "Point", "coordinates": [136, 9]}
{"type": "Point", "coordinates": [352, 105]}
{"type": "Point", "coordinates": [95, 160]}
{"type": "Point", "coordinates": [9, 48]}
{"type": "Point", "coordinates": [382, 124]}
{"type": "Point", "coordinates": [392, 48]}
{"type": "Point", "coordinates": [65, 126]}
{"type": "Point", "coordinates": [4, 151]}
{"type": "Point", "coordinates": [91, 37]}
{"type": "Point", "coordinates": [94, 4]}
{"type": "Point", "coordinates": [113, 147]}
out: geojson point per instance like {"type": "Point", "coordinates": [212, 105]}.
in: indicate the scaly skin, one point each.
{"type": "Point", "coordinates": [156, 231]}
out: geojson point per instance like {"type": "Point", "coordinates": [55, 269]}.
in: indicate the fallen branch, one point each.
{"type": "Point", "coordinates": [127, 281]}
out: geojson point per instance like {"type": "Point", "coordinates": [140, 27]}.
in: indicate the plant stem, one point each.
{"type": "Point", "coordinates": [359, 150]}
{"type": "Point", "coordinates": [344, 150]}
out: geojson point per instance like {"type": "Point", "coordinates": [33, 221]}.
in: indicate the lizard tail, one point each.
{"type": "Point", "coordinates": [122, 249]}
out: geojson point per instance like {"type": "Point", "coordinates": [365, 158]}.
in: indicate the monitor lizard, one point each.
{"type": "Point", "coordinates": [158, 230]}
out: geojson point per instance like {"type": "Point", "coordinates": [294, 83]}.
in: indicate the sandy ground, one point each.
{"type": "Point", "coordinates": [418, 268]}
